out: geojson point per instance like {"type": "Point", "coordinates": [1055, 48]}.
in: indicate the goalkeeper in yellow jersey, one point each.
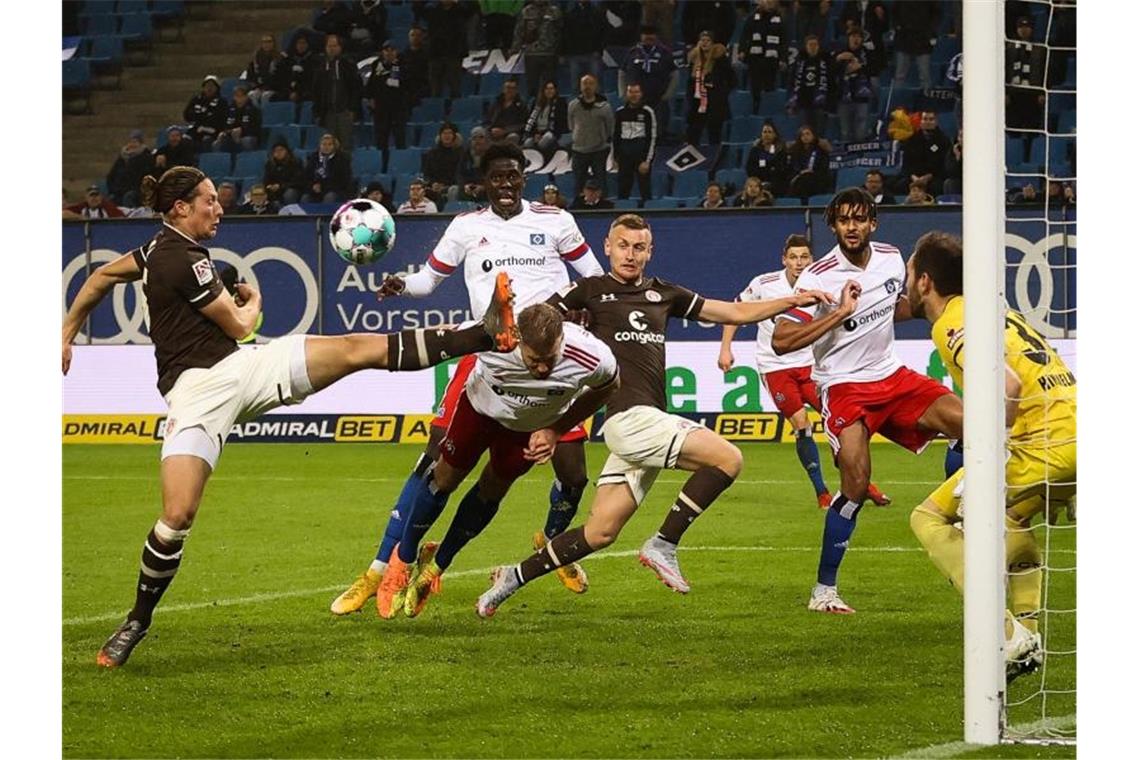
{"type": "Point", "coordinates": [1041, 434]}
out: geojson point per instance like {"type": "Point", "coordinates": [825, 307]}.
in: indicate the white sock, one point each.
{"type": "Point", "coordinates": [378, 567]}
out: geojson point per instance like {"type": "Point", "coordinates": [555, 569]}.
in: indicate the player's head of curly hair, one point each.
{"type": "Point", "coordinates": [854, 198]}
{"type": "Point", "coordinates": [540, 328]}
{"type": "Point", "coordinates": [501, 150]}
{"type": "Point", "coordinates": [938, 255]}
{"type": "Point", "coordinates": [180, 183]}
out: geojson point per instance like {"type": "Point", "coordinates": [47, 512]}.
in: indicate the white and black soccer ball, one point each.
{"type": "Point", "coordinates": [362, 231]}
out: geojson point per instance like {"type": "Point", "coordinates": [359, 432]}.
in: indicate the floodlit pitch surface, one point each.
{"type": "Point", "coordinates": [244, 659]}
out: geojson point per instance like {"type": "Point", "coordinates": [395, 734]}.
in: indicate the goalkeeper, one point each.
{"type": "Point", "coordinates": [1041, 433]}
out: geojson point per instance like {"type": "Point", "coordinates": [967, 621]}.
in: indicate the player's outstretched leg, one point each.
{"type": "Point", "coordinates": [715, 463]}
{"type": "Point", "coordinates": [854, 460]}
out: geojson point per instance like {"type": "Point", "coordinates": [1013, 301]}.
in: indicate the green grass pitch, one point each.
{"type": "Point", "coordinates": [244, 659]}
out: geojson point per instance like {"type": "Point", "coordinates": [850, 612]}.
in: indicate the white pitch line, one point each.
{"type": "Point", "coordinates": [343, 479]}
{"type": "Point", "coordinates": [273, 596]}
{"type": "Point", "coordinates": [950, 749]}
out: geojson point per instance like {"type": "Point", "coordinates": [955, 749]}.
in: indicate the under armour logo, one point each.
{"type": "Point", "coordinates": [608, 297]}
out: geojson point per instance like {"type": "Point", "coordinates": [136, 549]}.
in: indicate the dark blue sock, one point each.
{"type": "Point", "coordinates": [808, 453]}
{"type": "Point", "coordinates": [395, 527]}
{"type": "Point", "coordinates": [427, 506]}
{"type": "Point", "coordinates": [564, 502]}
{"type": "Point", "coordinates": [953, 458]}
{"type": "Point", "coordinates": [837, 530]}
{"type": "Point", "coordinates": [471, 518]}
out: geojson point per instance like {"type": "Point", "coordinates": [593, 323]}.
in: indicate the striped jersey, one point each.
{"type": "Point", "coordinates": [862, 349]}
{"type": "Point", "coordinates": [533, 247]}
{"type": "Point", "coordinates": [762, 288]}
{"type": "Point", "coordinates": [502, 388]}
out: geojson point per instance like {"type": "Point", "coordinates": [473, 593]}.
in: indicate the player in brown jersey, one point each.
{"type": "Point", "coordinates": [209, 383]}
{"type": "Point", "coordinates": [629, 312]}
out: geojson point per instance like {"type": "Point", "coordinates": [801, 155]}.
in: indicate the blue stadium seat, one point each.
{"type": "Point", "coordinates": [97, 7]}
{"type": "Point", "coordinates": [305, 113]}
{"type": "Point", "coordinates": [625, 204]}
{"type": "Point", "coordinates": [690, 184]}
{"type": "Point", "coordinates": [949, 199]}
{"type": "Point", "coordinates": [740, 103]}
{"type": "Point", "coordinates": [274, 113]}
{"type": "Point", "coordinates": [949, 124]}
{"type": "Point", "coordinates": [462, 207]}
{"type": "Point", "coordinates": [76, 74]}
{"type": "Point", "coordinates": [773, 102]}
{"type": "Point", "coordinates": [227, 88]}
{"type": "Point", "coordinates": [662, 203]}
{"type": "Point", "coordinates": [250, 162]}
{"type": "Point", "coordinates": [658, 183]}
{"type": "Point", "coordinates": [290, 133]}
{"type": "Point", "coordinates": [428, 135]}
{"type": "Point", "coordinates": [744, 129]}
{"type": "Point", "coordinates": [733, 178]}
{"type": "Point", "coordinates": [565, 183]}
{"type": "Point", "coordinates": [491, 83]}
{"type": "Point", "coordinates": [819, 200]}
{"type": "Point", "coordinates": [215, 164]}
{"type": "Point", "coordinates": [168, 9]}
{"type": "Point", "coordinates": [312, 139]}
{"type": "Point", "coordinates": [366, 161]}
{"type": "Point", "coordinates": [467, 109]}
{"type": "Point", "coordinates": [788, 202]}
{"type": "Point", "coordinates": [1067, 123]}
{"type": "Point", "coordinates": [131, 6]}
{"type": "Point", "coordinates": [137, 27]}
{"type": "Point", "coordinates": [404, 162]}
{"type": "Point", "coordinates": [532, 190]}
{"type": "Point", "coordinates": [428, 110]}
{"type": "Point", "coordinates": [1062, 151]}
{"type": "Point", "coordinates": [852, 176]}
{"type": "Point", "coordinates": [99, 25]}
{"type": "Point", "coordinates": [301, 155]}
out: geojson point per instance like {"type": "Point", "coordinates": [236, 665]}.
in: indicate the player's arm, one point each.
{"type": "Point", "coordinates": [902, 310]}
{"type": "Point", "coordinates": [441, 262]}
{"type": "Point", "coordinates": [1012, 396]}
{"type": "Point", "coordinates": [726, 359]}
{"type": "Point", "coordinates": [574, 250]}
{"type": "Point", "coordinates": [124, 269]}
{"type": "Point", "coordinates": [743, 313]}
{"type": "Point", "coordinates": [792, 336]}
{"type": "Point", "coordinates": [542, 442]}
{"type": "Point", "coordinates": [237, 316]}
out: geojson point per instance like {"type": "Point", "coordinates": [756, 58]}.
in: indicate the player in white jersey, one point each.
{"type": "Point", "coordinates": [516, 406]}
{"type": "Point", "coordinates": [533, 243]}
{"type": "Point", "coordinates": [788, 377]}
{"type": "Point", "coordinates": [865, 389]}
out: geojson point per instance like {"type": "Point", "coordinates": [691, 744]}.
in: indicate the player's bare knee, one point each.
{"type": "Point", "coordinates": [731, 461]}
{"type": "Point", "coordinates": [600, 536]}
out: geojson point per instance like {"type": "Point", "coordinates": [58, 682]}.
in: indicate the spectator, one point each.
{"type": "Point", "coordinates": [297, 68]}
{"type": "Point", "coordinates": [552, 196]}
{"type": "Point", "coordinates": [447, 46]}
{"type": "Point", "coordinates": [135, 161]}
{"type": "Point", "coordinates": [441, 164]}
{"type": "Point", "coordinates": [377, 192]}
{"type": "Point", "coordinates": [417, 202]}
{"type": "Point", "coordinates": [506, 117]}
{"type": "Point", "coordinates": [854, 86]}
{"type": "Point", "coordinates": [659, 13]}
{"type": "Point", "coordinates": [916, 26]}
{"type": "Point", "coordinates": [367, 26]}
{"type": "Point", "coordinates": [916, 195]}
{"type": "Point", "coordinates": [68, 209]}
{"type": "Point", "coordinates": [178, 151]}
{"type": "Point", "coordinates": [95, 206]}
{"type": "Point", "coordinates": [762, 48]}
{"type": "Point", "coordinates": [228, 197]}
{"type": "Point", "coordinates": [263, 73]}
{"type": "Point", "coordinates": [258, 203]}
{"type": "Point", "coordinates": [714, 197]}
{"type": "Point", "coordinates": [592, 198]}
{"type": "Point", "coordinates": [635, 140]}
{"type": "Point", "coordinates": [591, 124]}
{"type": "Point", "coordinates": [873, 184]}
{"type": "Point", "coordinates": [1062, 40]}
{"type": "Point", "coordinates": [768, 160]}
{"type": "Point", "coordinates": [870, 16]}
{"type": "Point", "coordinates": [538, 34]}
{"type": "Point", "coordinates": [807, 163]}
{"type": "Point", "coordinates": [499, 22]}
{"type": "Point", "coordinates": [547, 121]}
{"type": "Point", "coordinates": [469, 185]}
{"type": "Point", "coordinates": [650, 64]}
{"type": "Point", "coordinates": [414, 66]}
{"type": "Point", "coordinates": [622, 18]}
{"type": "Point", "coordinates": [811, 86]}
{"type": "Point", "coordinates": [336, 92]}
{"type": "Point", "coordinates": [710, 80]}
{"type": "Point", "coordinates": [1024, 75]}
{"type": "Point", "coordinates": [813, 17]}
{"type": "Point", "coordinates": [924, 156]}
{"type": "Point", "coordinates": [333, 17]}
{"type": "Point", "coordinates": [206, 114]}
{"type": "Point", "coordinates": [1058, 194]}
{"type": "Point", "coordinates": [753, 195]}
{"type": "Point", "coordinates": [328, 173]}
{"type": "Point", "coordinates": [284, 177]}
{"type": "Point", "coordinates": [952, 182]}
{"type": "Point", "coordinates": [719, 18]}
{"type": "Point", "coordinates": [243, 124]}
{"type": "Point", "coordinates": [388, 91]}
{"type": "Point", "coordinates": [582, 40]}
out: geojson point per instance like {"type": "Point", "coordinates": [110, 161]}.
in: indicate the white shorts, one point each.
{"type": "Point", "coordinates": [642, 441]}
{"type": "Point", "coordinates": [244, 385]}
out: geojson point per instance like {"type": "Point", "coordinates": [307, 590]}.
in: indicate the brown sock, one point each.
{"type": "Point", "coordinates": [698, 493]}
{"type": "Point", "coordinates": [563, 549]}
{"type": "Point", "coordinates": [427, 347]}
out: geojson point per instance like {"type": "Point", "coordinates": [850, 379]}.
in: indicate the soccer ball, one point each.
{"type": "Point", "coordinates": [362, 231]}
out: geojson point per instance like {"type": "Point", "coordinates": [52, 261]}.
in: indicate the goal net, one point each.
{"type": "Point", "coordinates": [1019, 198]}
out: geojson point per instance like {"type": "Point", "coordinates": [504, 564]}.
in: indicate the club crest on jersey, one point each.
{"type": "Point", "coordinates": [203, 271]}
{"type": "Point", "coordinates": [779, 397]}
{"type": "Point", "coordinates": [538, 238]}
{"type": "Point", "coordinates": [891, 286]}
{"type": "Point", "coordinates": [652, 296]}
